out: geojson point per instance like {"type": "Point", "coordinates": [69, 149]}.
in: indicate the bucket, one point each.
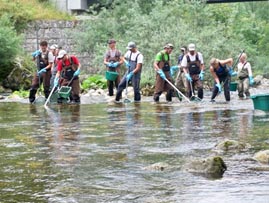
{"type": "Point", "coordinates": [233, 86]}
{"type": "Point", "coordinates": [261, 102]}
{"type": "Point", "coordinates": [110, 75]}
{"type": "Point", "coordinates": [64, 92]}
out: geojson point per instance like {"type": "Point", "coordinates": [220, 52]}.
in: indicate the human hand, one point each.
{"type": "Point", "coordinates": [201, 75]}
{"type": "Point", "coordinates": [219, 87]}
{"type": "Point", "coordinates": [161, 73]}
{"type": "Point", "coordinates": [77, 72]}
{"type": "Point", "coordinates": [43, 70]}
{"type": "Point", "coordinates": [232, 73]}
{"type": "Point", "coordinates": [56, 81]}
{"type": "Point", "coordinates": [187, 75]}
{"type": "Point", "coordinates": [129, 76]}
{"type": "Point", "coordinates": [36, 53]}
{"type": "Point", "coordinates": [251, 80]}
{"type": "Point", "coordinates": [127, 64]}
{"type": "Point", "coordinates": [115, 65]}
{"type": "Point", "coordinates": [110, 65]}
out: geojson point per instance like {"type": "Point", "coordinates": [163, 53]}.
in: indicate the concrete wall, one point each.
{"type": "Point", "coordinates": [54, 32]}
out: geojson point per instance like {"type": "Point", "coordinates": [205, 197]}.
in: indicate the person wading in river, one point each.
{"type": "Point", "coordinates": [44, 59]}
{"type": "Point", "coordinates": [162, 66]}
{"type": "Point", "coordinates": [112, 60]}
{"type": "Point", "coordinates": [68, 69]}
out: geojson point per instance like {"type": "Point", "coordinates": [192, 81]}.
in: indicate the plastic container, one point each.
{"type": "Point", "coordinates": [64, 91]}
{"type": "Point", "coordinates": [110, 75]}
{"type": "Point", "coordinates": [233, 86]}
{"type": "Point", "coordinates": [261, 101]}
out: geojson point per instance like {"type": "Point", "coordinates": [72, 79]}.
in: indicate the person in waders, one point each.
{"type": "Point", "coordinates": [44, 59]}
{"type": "Point", "coordinates": [245, 77]}
{"type": "Point", "coordinates": [68, 70]}
{"type": "Point", "coordinates": [133, 60]}
{"type": "Point", "coordinates": [162, 66]}
{"type": "Point", "coordinates": [113, 61]}
{"type": "Point", "coordinates": [193, 66]}
{"type": "Point", "coordinates": [221, 70]}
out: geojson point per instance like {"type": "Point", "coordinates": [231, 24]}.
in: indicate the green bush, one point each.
{"type": "Point", "coordinates": [94, 82]}
{"type": "Point", "coordinates": [10, 46]}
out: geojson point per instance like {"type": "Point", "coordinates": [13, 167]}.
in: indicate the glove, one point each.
{"type": "Point", "coordinates": [115, 65]}
{"type": "Point", "coordinates": [161, 73]}
{"type": "Point", "coordinates": [232, 73]}
{"type": "Point", "coordinates": [110, 65]}
{"type": "Point", "coordinates": [187, 75]}
{"type": "Point", "coordinates": [129, 76]}
{"type": "Point", "coordinates": [201, 75]}
{"type": "Point", "coordinates": [43, 70]}
{"type": "Point", "coordinates": [36, 53]}
{"type": "Point", "coordinates": [251, 80]}
{"type": "Point", "coordinates": [77, 72]}
{"type": "Point", "coordinates": [127, 64]}
{"type": "Point", "coordinates": [173, 69]}
{"type": "Point", "coordinates": [219, 87]}
{"type": "Point", "coordinates": [56, 81]}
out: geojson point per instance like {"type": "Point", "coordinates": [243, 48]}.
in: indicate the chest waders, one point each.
{"type": "Point", "coordinates": [110, 84]}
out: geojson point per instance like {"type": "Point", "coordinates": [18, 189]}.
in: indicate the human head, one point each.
{"type": "Point", "coordinates": [62, 54]}
{"type": "Point", "coordinates": [53, 48]}
{"type": "Point", "coordinates": [131, 46]}
{"type": "Point", "coordinates": [191, 48]}
{"type": "Point", "coordinates": [214, 62]}
{"type": "Point", "coordinates": [111, 43]}
{"type": "Point", "coordinates": [168, 48]}
{"type": "Point", "coordinates": [243, 57]}
{"type": "Point", "coordinates": [183, 49]}
{"type": "Point", "coordinates": [43, 46]}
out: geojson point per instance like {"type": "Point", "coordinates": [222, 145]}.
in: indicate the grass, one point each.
{"type": "Point", "coordinates": [32, 10]}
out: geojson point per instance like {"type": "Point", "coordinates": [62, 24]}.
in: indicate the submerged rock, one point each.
{"type": "Point", "coordinates": [160, 166]}
{"type": "Point", "coordinates": [212, 167]}
{"type": "Point", "coordinates": [262, 156]}
{"type": "Point", "coordinates": [231, 146]}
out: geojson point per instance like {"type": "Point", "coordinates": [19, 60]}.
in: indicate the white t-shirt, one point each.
{"type": "Point", "coordinates": [133, 56]}
{"type": "Point", "coordinates": [246, 66]}
{"type": "Point", "coordinates": [184, 61]}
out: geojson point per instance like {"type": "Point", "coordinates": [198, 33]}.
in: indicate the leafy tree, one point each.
{"type": "Point", "coordinates": [10, 46]}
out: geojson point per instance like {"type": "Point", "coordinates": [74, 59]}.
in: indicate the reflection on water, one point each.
{"type": "Point", "coordinates": [98, 153]}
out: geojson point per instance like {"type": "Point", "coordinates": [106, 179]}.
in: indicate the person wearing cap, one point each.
{"type": "Point", "coordinates": [113, 61]}
{"type": "Point", "coordinates": [193, 67]}
{"type": "Point", "coordinates": [44, 59]}
{"type": "Point", "coordinates": [220, 70]}
{"type": "Point", "coordinates": [133, 60]}
{"type": "Point", "coordinates": [162, 66]}
{"type": "Point", "coordinates": [54, 50]}
{"type": "Point", "coordinates": [68, 69]}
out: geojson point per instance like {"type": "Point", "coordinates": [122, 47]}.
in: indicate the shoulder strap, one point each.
{"type": "Point", "coordinates": [137, 57]}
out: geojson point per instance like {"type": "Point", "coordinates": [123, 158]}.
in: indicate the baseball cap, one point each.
{"type": "Point", "coordinates": [61, 54]}
{"type": "Point", "coordinates": [54, 46]}
{"type": "Point", "coordinates": [191, 47]}
{"type": "Point", "coordinates": [110, 41]}
{"type": "Point", "coordinates": [131, 45]}
{"type": "Point", "coordinates": [169, 45]}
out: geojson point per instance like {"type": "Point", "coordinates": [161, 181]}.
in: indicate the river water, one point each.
{"type": "Point", "coordinates": [100, 152]}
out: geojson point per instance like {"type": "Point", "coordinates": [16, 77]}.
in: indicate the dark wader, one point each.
{"type": "Point", "coordinates": [135, 80]}
{"type": "Point", "coordinates": [161, 85]}
{"type": "Point", "coordinates": [194, 71]}
{"type": "Point", "coordinates": [42, 62]}
{"type": "Point", "coordinates": [67, 75]}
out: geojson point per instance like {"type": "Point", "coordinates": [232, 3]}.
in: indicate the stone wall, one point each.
{"type": "Point", "coordinates": [54, 32]}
